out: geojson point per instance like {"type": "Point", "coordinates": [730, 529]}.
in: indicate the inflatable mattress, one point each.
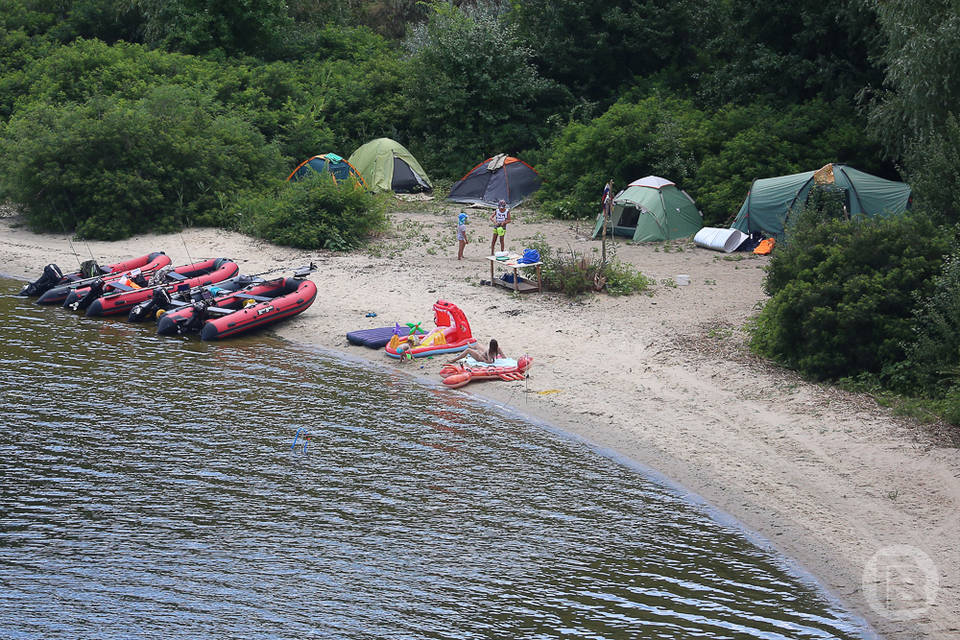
{"type": "Point", "coordinates": [376, 338]}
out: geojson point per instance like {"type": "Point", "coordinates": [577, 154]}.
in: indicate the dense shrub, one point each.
{"type": "Point", "coordinates": [315, 213]}
{"type": "Point", "coordinates": [933, 351]}
{"type": "Point", "coordinates": [109, 169]}
{"type": "Point", "coordinates": [575, 274]}
{"type": "Point", "coordinates": [843, 293]}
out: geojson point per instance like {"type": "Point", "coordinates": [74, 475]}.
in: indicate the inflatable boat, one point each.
{"type": "Point", "coordinates": [452, 335]}
{"type": "Point", "coordinates": [457, 375]}
{"type": "Point", "coordinates": [162, 300]}
{"type": "Point", "coordinates": [54, 290]}
{"type": "Point", "coordinates": [250, 308]}
{"type": "Point", "coordinates": [110, 298]}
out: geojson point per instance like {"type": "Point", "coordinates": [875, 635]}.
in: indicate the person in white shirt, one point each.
{"type": "Point", "coordinates": [500, 219]}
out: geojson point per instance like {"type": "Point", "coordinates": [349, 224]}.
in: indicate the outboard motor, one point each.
{"type": "Point", "coordinates": [147, 310]}
{"type": "Point", "coordinates": [50, 278]}
{"type": "Point", "coordinates": [96, 290]}
{"type": "Point", "coordinates": [195, 323]}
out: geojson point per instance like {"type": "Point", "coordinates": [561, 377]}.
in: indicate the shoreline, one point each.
{"type": "Point", "coordinates": [829, 478]}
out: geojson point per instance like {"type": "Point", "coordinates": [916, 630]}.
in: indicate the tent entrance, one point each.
{"type": "Point", "coordinates": [625, 224]}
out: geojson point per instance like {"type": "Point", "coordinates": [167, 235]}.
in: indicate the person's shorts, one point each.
{"type": "Point", "coordinates": [461, 232]}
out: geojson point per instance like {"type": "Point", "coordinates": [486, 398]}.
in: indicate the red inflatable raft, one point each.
{"type": "Point", "coordinates": [118, 297]}
{"type": "Point", "coordinates": [457, 375]}
{"type": "Point", "coordinates": [146, 264]}
{"type": "Point", "coordinates": [250, 308]}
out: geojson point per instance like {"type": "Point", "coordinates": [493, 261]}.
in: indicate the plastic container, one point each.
{"type": "Point", "coordinates": [683, 280]}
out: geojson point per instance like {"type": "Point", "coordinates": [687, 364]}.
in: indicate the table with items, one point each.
{"type": "Point", "coordinates": [518, 284]}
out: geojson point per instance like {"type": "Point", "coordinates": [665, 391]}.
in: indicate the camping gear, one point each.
{"type": "Point", "coordinates": [501, 177]}
{"type": "Point", "coordinates": [240, 311]}
{"type": "Point", "coordinates": [530, 256]}
{"type": "Point", "coordinates": [452, 335]}
{"type": "Point", "coordinates": [726, 240]}
{"type": "Point", "coordinates": [386, 165]}
{"type": "Point", "coordinates": [61, 289]}
{"type": "Point", "coordinates": [114, 297]}
{"type": "Point", "coordinates": [765, 247]}
{"type": "Point", "coordinates": [378, 338]}
{"type": "Point", "coordinates": [652, 209]}
{"type": "Point", "coordinates": [457, 375]}
{"type": "Point", "coordinates": [328, 163]}
{"type": "Point", "coordinates": [769, 202]}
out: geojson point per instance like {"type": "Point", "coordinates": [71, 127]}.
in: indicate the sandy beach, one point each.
{"type": "Point", "coordinates": [867, 502]}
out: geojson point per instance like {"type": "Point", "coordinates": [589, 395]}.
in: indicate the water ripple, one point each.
{"type": "Point", "coordinates": [155, 487]}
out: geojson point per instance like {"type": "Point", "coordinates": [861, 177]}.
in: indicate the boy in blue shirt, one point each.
{"type": "Point", "coordinates": [462, 233]}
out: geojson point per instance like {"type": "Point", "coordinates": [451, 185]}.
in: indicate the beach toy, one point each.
{"type": "Point", "coordinates": [451, 335]}
{"type": "Point", "coordinates": [371, 315]}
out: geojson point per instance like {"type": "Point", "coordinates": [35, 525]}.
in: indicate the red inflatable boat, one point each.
{"type": "Point", "coordinates": [234, 313]}
{"type": "Point", "coordinates": [61, 288]}
{"type": "Point", "coordinates": [119, 296]}
{"type": "Point", "coordinates": [457, 375]}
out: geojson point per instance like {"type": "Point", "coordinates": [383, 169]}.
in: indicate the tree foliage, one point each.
{"type": "Point", "coordinates": [473, 91]}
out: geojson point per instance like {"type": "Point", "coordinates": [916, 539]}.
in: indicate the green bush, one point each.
{"type": "Point", "coordinates": [933, 352]}
{"type": "Point", "coordinates": [315, 213]}
{"type": "Point", "coordinates": [109, 169]}
{"type": "Point", "coordinates": [574, 274]}
{"type": "Point", "coordinates": [843, 293]}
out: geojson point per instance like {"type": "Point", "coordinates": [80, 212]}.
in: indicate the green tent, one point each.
{"type": "Point", "coordinates": [770, 200]}
{"type": "Point", "coordinates": [652, 209]}
{"type": "Point", "coordinates": [386, 165]}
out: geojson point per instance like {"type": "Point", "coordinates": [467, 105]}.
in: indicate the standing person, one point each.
{"type": "Point", "coordinates": [500, 219]}
{"type": "Point", "coordinates": [462, 233]}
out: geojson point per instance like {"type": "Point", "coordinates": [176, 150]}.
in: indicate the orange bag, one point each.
{"type": "Point", "coordinates": [765, 247]}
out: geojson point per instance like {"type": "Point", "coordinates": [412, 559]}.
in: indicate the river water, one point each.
{"type": "Point", "coordinates": [159, 487]}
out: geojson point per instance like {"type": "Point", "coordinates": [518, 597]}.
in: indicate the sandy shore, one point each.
{"type": "Point", "coordinates": [866, 502]}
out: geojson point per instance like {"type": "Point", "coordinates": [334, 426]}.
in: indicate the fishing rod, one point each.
{"type": "Point", "coordinates": [298, 272]}
{"type": "Point", "coordinates": [112, 275]}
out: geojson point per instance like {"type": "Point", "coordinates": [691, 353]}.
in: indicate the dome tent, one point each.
{"type": "Point", "coordinates": [386, 165]}
{"type": "Point", "coordinates": [770, 200]}
{"type": "Point", "coordinates": [330, 163]}
{"type": "Point", "coordinates": [652, 209]}
{"type": "Point", "coordinates": [501, 177]}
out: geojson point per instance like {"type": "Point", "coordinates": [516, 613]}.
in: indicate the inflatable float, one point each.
{"type": "Point", "coordinates": [379, 337]}
{"type": "Point", "coordinates": [110, 298]}
{"type": "Point", "coordinates": [54, 291]}
{"type": "Point", "coordinates": [452, 335]}
{"type": "Point", "coordinates": [457, 375]}
{"type": "Point", "coordinates": [238, 312]}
